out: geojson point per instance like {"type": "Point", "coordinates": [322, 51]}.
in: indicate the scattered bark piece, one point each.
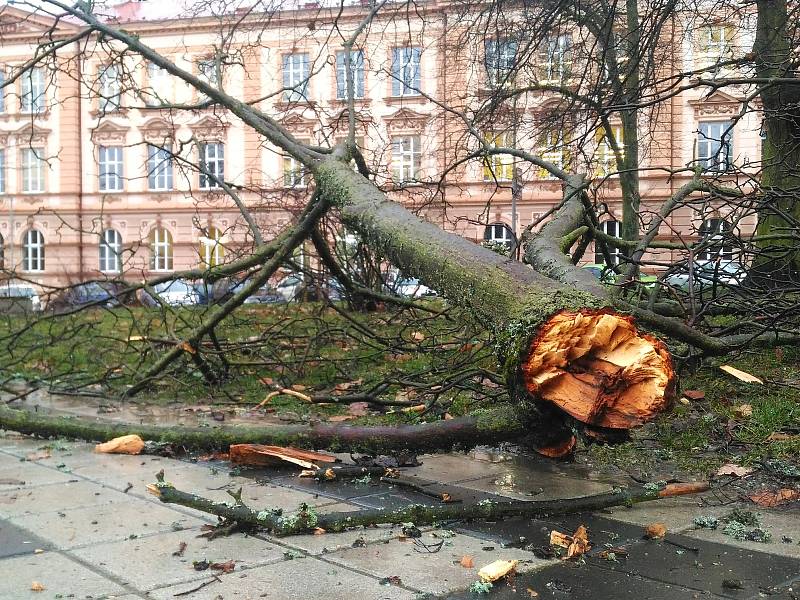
{"type": "Point", "coordinates": [181, 549]}
{"type": "Point", "coordinates": [734, 470]}
{"type": "Point", "coordinates": [260, 456]}
{"type": "Point", "coordinates": [127, 444]}
{"type": "Point", "coordinates": [37, 587]}
{"type": "Point", "coordinates": [741, 375]}
{"type": "Point", "coordinates": [655, 531]}
{"type": "Point", "coordinates": [769, 499]}
{"type": "Point", "coordinates": [226, 567]}
{"type": "Point", "coordinates": [580, 543]}
{"type": "Point", "coordinates": [497, 570]}
{"type": "Point", "coordinates": [560, 450]}
{"type": "Point", "coordinates": [695, 395]}
{"type": "Point", "coordinates": [467, 562]}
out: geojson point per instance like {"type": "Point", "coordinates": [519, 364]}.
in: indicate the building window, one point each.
{"type": "Point", "coordinates": [295, 77]}
{"type": "Point", "coordinates": [159, 85]}
{"type": "Point", "coordinates": [209, 73]}
{"type": "Point", "coordinates": [160, 250]}
{"type": "Point", "coordinates": [501, 56]}
{"type": "Point", "coordinates": [294, 173]}
{"type": "Point", "coordinates": [553, 149]}
{"type": "Point", "coordinates": [33, 251]}
{"type": "Point", "coordinates": [110, 251]}
{"type": "Point", "coordinates": [33, 170]}
{"type": "Point", "coordinates": [212, 165]}
{"type": "Point", "coordinates": [32, 98]}
{"type": "Point", "coordinates": [605, 160]}
{"type": "Point", "coordinates": [406, 158]}
{"type": "Point", "coordinates": [499, 233]}
{"type": "Point", "coordinates": [357, 65]}
{"type": "Point", "coordinates": [212, 252]}
{"type": "Point", "coordinates": [405, 71]}
{"type": "Point", "coordinates": [715, 44]}
{"type": "Point", "coordinates": [2, 171]}
{"type": "Point", "coordinates": [159, 168]}
{"type": "Point", "coordinates": [110, 94]}
{"type": "Point", "coordinates": [613, 229]}
{"type": "Point", "coordinates": [109, 161]}
{"type": "Point", "coordinates": [715, 236]}
{"type": "Point", "coordinates": [499, 167]}
{"type": "Point", "coordinates": [556, 59]}
{"type": "Point", "coordinates": [715, 145]}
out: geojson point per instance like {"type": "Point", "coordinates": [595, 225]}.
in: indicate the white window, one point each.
{"type": "Point", "coordinates": [605, 160]}
{"type": "Point", "coordinates": [715, 44]}
{"type": "Point", "coordinates": [553, 149]}
{"type": "Point", "coordinates": [110, 251]}
{"type": "Point", "coordinates": [499, 167]}
{"type": "Point", "coordinates": [159, 168]}
{"type": "Point", "coordinates": [2, 171]}
{"type": "Point", "coordinates": [499, 233]}
{"type": "Point", "coordinates": [614, 229]}
{"type": "Point", "coordinates": [715, 235]}
{"type": "Point", "coordinates": [212, 252]}
{"type": "Point", "coordinates": [715, 145]}
{"type": "Point", "coordinates": [501, 56]}
{"type": "Point", "coordinates": [406, 158]}
{"type": "Point", "coordinates": [33, 93]}
{"type": "Point", "coordinates": [110, 95]}
{"type": "Point", "coordinates": [294, 174]}
{"type": "Point", "coordinates": [212, 165]}
{"type": "Point", "coordinates": [33, 170]}
{"type": "Point", "coordinates": [159, 85]}
{"type": "Point", "coordinates": [109, 161]}
{"type": "Point", "coordinates": [357, 66]}
{"type": "Point", "coordinates": [406, 71]}
{"type": "Point", "coordinates": [160, 250]}
{"type": "Point", "coordinates": [295, 77]}
{"type": "Point", "coordinates": [33, 251]}
{"type": "Point", "coordinates": [556, 59]}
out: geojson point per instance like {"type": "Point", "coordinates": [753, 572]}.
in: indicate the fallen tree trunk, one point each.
{"type": "Point", "coordinates": [485, 427]}
{"type": "Point", "coordinates": [306, 520]}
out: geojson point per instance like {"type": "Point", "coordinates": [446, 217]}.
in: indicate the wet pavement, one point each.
{"type": "Point", "coordinates": [82, 525]}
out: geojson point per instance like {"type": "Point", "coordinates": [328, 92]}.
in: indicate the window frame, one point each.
{"type": "Point", "coordinates": [109, 89]}
{"type": "Point", "coordinates": [158, 78]}
{"type": "Point", "coordinates": [406, 71]}
{"type": "Point", "coordinates": [557, 61]}
{"type": "Point", "coordinates": [28, 103]}
{"type": "Point", "coordinates": [33, 251]}
{"type": "Point", "coordinates": [110, 169]}
{"type": "Point", "coordinates": [110, 251]}
{"type": "Point", "coordinates": [161, 250]}
{"type": "Point", "coordinates": [296, 68]}
{"type": "Point", "coordinates": [499, 167]}
{"type": "Point", "coordinates": [32, 162]}
{"type": "Point", "coordinates": [604, 158]}
{"type": "Point", "coordinates": [714, 232]}
{"type": "Point", "coordinates": [212, 251]}
{"type": "Point", "coordinates": [712, 160]}
{"type": "Point", "coordinates": [214, 165]}
{"type": "Point", "coordinates": [407, 161]}
{"type": "Point", "coordinates": [612, 228]}
{"type": "Point", "coordinates": [497, 74]}
{"type": "Point", "coordinates": [2, 170]}
{"type": "Point", "coordinates": [358, 74]}
{"type": "Point", "coordinates": [160, 174]}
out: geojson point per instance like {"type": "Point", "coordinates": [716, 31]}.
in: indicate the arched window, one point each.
{"type": "Point", "coordinates": [212, 252]}
{"type": "Point", "coordinates": [715, 235]}
{"type": "Point", "coordinates": [110, 250]}
{"type": "Point", "coordinates": [33, 251]}
{"type": "Point", "coordinates": [614, 229]}
{"type": "Point", "coordinates": [500, 233]}
{"type": "Point", "coordinates": [160, 250]}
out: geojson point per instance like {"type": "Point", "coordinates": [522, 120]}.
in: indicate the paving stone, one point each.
{"type": "Point", "coordinates": [149, 562]}
{"type": "Point", "coordinates": [15, 540]}
{"type": "Point", "coordinates": [261, 495]}
{"type": "Point", "coordinates": [92, 525]}
{"type": "Point", "coordinates": [57, 573]}
{"type": "Point", "coordinates": [28, 474]}
{"type": "Point", "coordinates": [676, 513]}
{"type": "Point", "coordinates": [780, 523]}
{"type": "Point", "coordinates": [536, 486]}
{"type": "Point", "coordinates": [336, 490]}
{"type": "Point", "coordinates": [55, 497]}
{"type": "Point", "coordinates": [118, 470]}
{"type": "Point", "coordinates": [568, 581]}
{"type": "Point", "coordinates": [451, 468]}
{"type": "Point", "coordinates": [442, 570]}
{"type": "Point", "coordinates": [707, 568]}
{"type": "Point", "coordinates": [299, 578]}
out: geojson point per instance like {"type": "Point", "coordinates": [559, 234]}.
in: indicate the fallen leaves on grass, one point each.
{"type": "Point", "coordinates": [127, 444]}
{"type": "Point", "coordinates": [743, 410]}
{"type": "Point", "coordinates": [769, 499]}
{"type": "Point", "coordinates": [740, 375]}
{"type": "Point", "coordinates": [734, 470]}
{"type": "Point", "coordinates": [695, 395]}
{"type": "Point", "coordinates": [358, 409]}
{"type": "Point", "coordinates": [497, 570]}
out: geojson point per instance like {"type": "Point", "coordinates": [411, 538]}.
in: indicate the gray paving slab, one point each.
{"type": "Point", "coordinates": [150, 562]}
{"type": "Point", "coordinates": [676, 513]}
{"type": "Point", "coordinates": [117, 471]}
{"type": "Point", "coordinates": [55, 497]}
{"type": "Point", "coordinates": [536, 486]}
{"type": "Point", "coordinates": [16, 541]}
{"type": "Point", "coordinates": [436, 572]}
{"type": "Point", "coordinates": [93, 525]}
{"type": "Point", "coordinates": [451, 468]}
{"type": "Point", "coordinates": [58, 574]}
{"type": "Point", "coordinates": [27, 474]}
{"type": "Point", "coordinates": [299, 578]}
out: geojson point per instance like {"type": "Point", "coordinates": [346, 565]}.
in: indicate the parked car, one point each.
{"type": "Point", "coordinates": [411, 288]}
{"type": "Point", "coordinates": [25, 293]}
{"type": "Point", "coordinates": [606, 275]}
{"type": "Point", "coordinates": [298, 288]}
{"type": "Point", "coordinates": [266, 294]}
{"type": "Point", "coordinates": [710, 276]}
{"type": "Point", "coordinates": [84, 294]}
{"type": "Point", "coordinates": [177, 292]}
{"type": "Point", "coordinates": [289, 286]}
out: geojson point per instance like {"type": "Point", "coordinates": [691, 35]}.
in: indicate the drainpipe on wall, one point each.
{"type": "Point", "coordinates": [80, 164]}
